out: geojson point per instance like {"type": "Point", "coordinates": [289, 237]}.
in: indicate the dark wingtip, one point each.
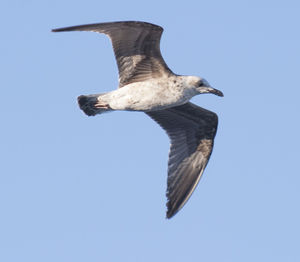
{"type": "Point", "coordinates": [100, 26]}
{"type": "Point", "coordinates": [69, 28]}
{"type": "Point", "coordinates": [171, 211]}
{"type": "Point", "coordinates": [60, 29]}
{"type": "Point", "coordinates": [168, 215]}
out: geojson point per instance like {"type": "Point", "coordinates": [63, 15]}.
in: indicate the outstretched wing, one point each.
{"type": "Point", "coordinates": [136, 46]}
{"type": "Point", "coordinates": [191, 130]}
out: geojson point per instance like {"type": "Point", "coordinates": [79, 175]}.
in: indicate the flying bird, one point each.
{"type": "Point", "coordinates": [147, 84]}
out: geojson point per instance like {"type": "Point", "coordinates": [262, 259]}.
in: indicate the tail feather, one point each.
{"type": "Point", "coordinates": [88, 105]}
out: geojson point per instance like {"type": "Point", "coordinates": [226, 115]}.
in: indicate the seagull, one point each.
{"type": "Point", "coordinates": [148, 85]}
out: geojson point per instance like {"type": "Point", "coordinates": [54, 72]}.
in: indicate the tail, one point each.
{"type": "Point", "coordinates": [91, 106]}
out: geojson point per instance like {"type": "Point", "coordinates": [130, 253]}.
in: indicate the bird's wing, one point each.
{"type": "Point", "coordinates": [191, 130]}
{"type": "Point", "coordinates": [136, 46]}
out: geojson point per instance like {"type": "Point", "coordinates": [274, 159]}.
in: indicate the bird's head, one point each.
{"type": "Point", "coordinates": [202, 86]}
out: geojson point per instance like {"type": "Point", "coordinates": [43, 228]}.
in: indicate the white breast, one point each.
{"type": "Point", "coordinates": [149, 95]}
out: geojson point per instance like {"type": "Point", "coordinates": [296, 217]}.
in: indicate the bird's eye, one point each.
{"type": "Point", "coordinates": [200, 83]}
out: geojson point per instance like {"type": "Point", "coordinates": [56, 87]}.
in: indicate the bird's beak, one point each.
{"type": "Point", "coordinates": [215, 91]}
{"type": "Point", "coordinates": [209, 89]}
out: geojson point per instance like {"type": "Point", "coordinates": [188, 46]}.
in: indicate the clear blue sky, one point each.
{"type": "Point", "coordinates": [74, 188]}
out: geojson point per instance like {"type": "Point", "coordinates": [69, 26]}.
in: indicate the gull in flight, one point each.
{"type": "Point", "coordinates": [147, 84]}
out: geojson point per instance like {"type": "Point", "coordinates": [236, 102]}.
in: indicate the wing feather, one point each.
{"type": "Point", "coordinates": [191, 130]}
{"type": "Point", "coordinates": [136, 46]}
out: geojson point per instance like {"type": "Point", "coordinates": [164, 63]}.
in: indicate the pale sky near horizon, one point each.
{"type": "Point", "coordinates": [77, 188]}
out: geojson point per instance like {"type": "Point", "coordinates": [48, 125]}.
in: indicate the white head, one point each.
{"type": "Point", "coordinates": [201, 85]}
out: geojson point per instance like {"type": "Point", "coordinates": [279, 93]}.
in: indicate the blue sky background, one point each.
{"type": "Point", "coordinates": [74, 188]}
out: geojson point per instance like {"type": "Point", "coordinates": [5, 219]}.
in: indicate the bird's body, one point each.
{"type": "Point", "coordinates": [147, 84]}
{"type": "Point", "coordinates": [150, 95]}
